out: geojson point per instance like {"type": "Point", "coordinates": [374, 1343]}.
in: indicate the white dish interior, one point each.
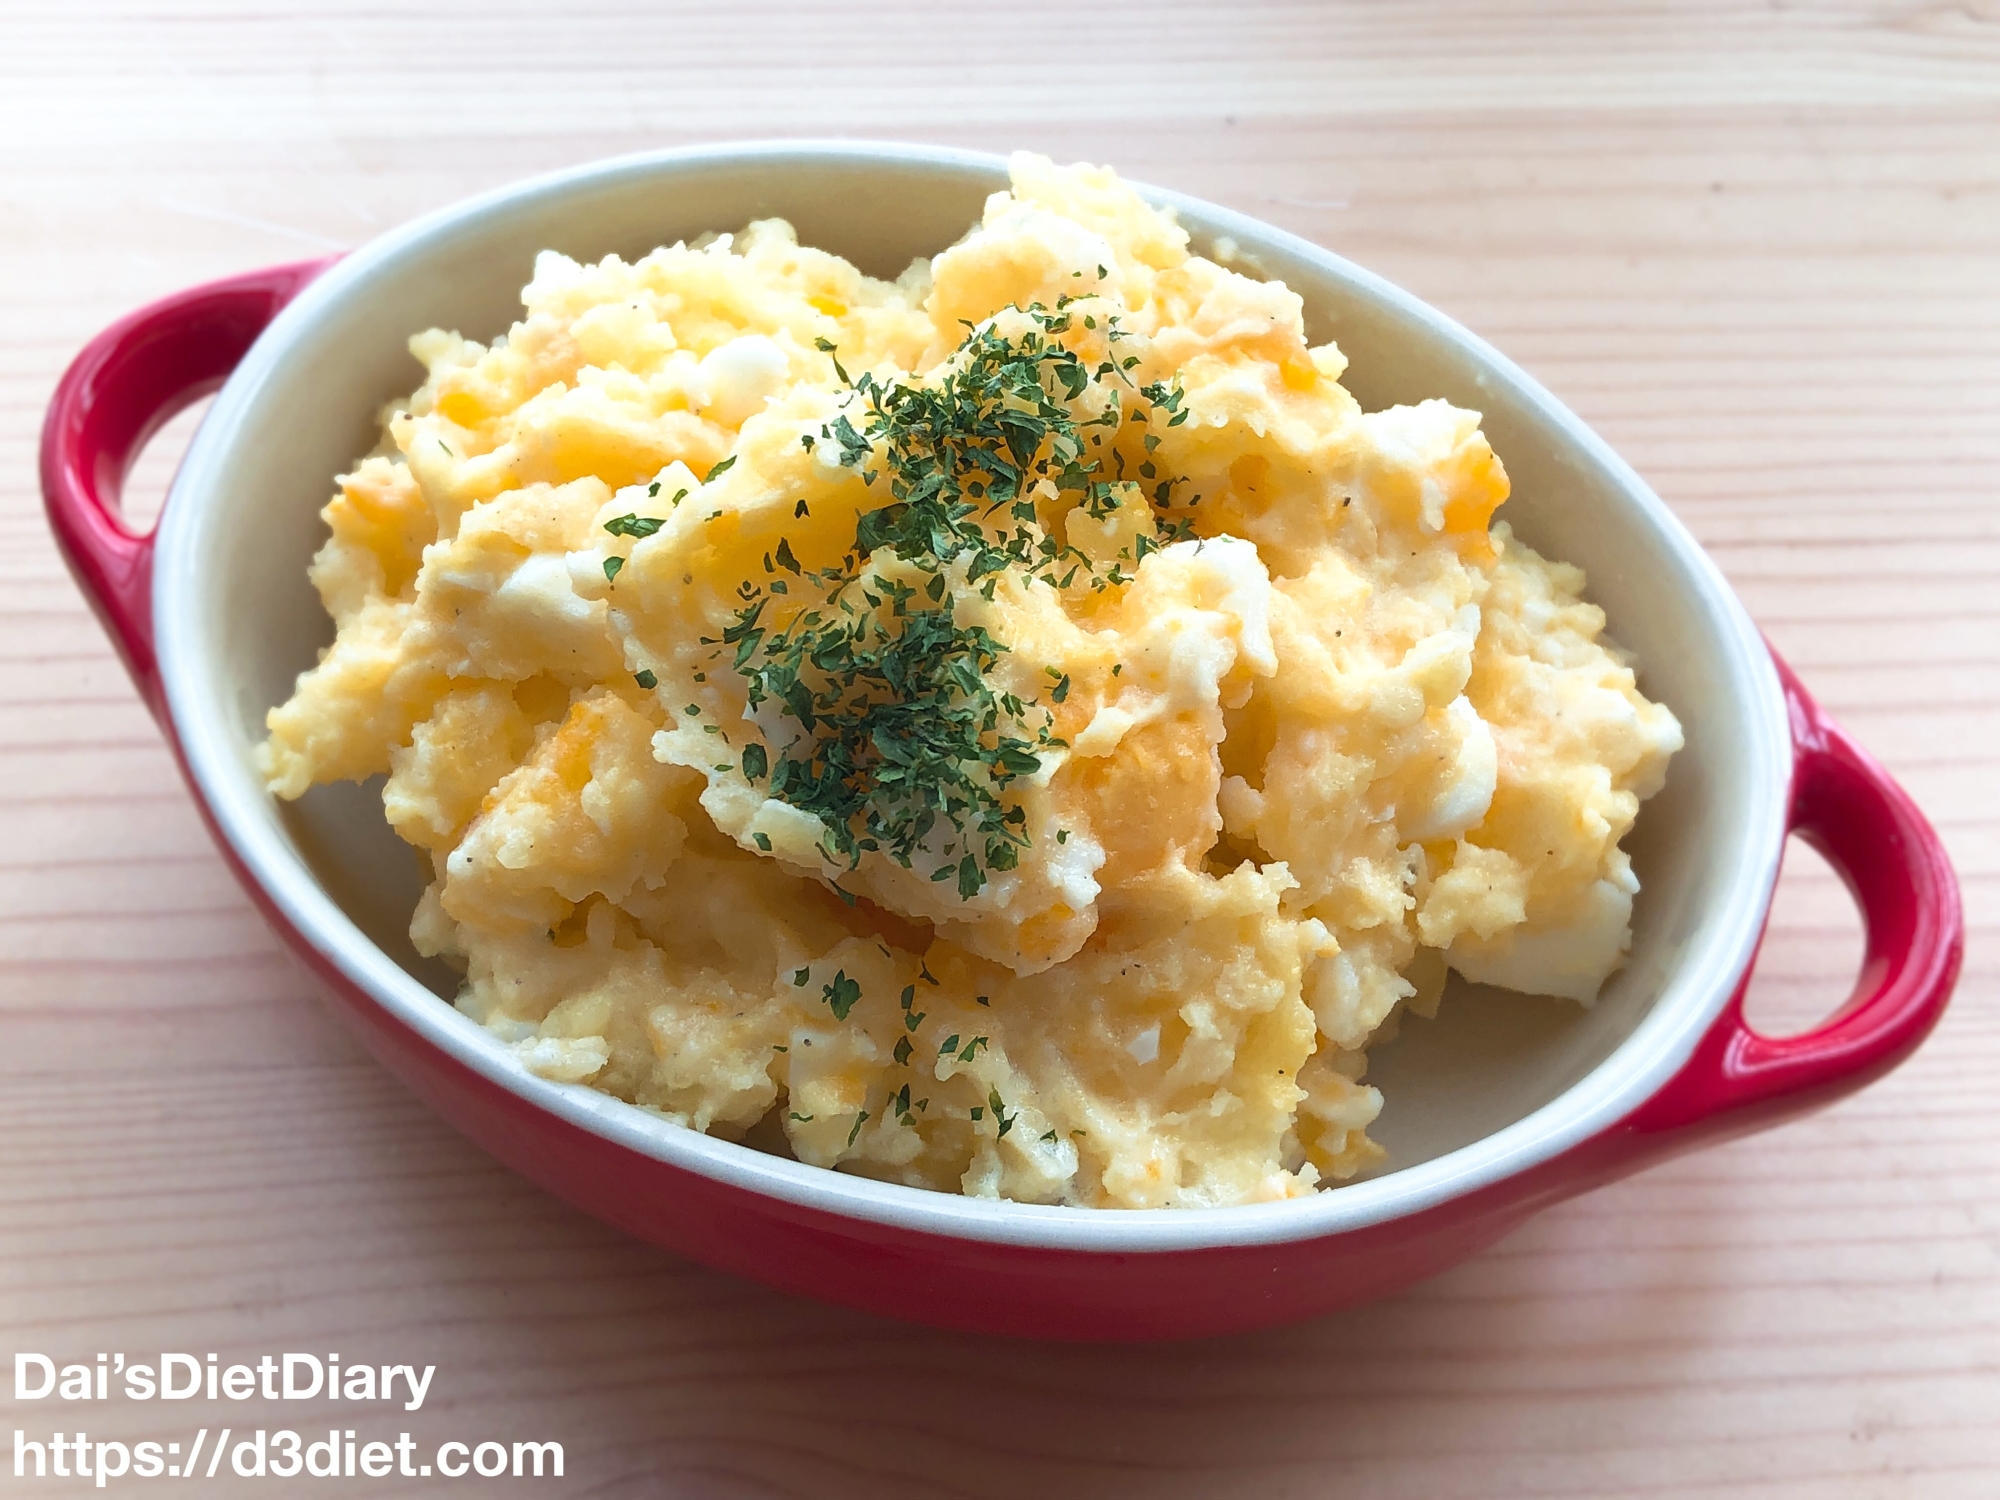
{"type": "Point", "coordinates": [1495, 1084]}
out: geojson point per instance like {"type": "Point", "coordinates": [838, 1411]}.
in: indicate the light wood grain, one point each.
{"type": "Point", "coordinates": [1755, 246]}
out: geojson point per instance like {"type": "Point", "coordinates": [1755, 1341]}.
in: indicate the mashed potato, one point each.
{"type": "Point", "coordinates": [1023, 726]}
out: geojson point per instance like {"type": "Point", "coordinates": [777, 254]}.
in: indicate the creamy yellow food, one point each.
{"type": "Point", "coordinates": [1022, 729]}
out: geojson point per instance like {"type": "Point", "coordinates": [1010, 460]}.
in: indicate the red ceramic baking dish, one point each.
{"type": "Point", "coordinates": [1496, 1109]}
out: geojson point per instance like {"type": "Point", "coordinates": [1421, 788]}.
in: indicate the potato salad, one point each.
{"type": "Point", "coordinates": [1019, 730]}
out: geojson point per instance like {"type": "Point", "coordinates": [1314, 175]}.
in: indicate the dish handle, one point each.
{"type": "Point", "coordinates": [129, 381]}
{"type": "Point", "coordinates": [1847, 807]}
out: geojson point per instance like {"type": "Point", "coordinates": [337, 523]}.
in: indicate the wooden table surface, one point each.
{"type": "Point", "coordinates": [1757, 247]}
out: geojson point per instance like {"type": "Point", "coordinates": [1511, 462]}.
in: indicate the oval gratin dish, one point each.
{"type": "Point", "coordinates": [1498, 1109]}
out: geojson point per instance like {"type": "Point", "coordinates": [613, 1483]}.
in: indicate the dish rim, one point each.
{"type": "Point", "coordinates": [218, 766]}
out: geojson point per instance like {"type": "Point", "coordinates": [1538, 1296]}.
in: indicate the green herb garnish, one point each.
{"type": "Point", "coordinates": [634, 525]}
{"type": "Point", "coordinates": [841, 994]}
{"type": "Point", "coordinates": [907, 748]}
